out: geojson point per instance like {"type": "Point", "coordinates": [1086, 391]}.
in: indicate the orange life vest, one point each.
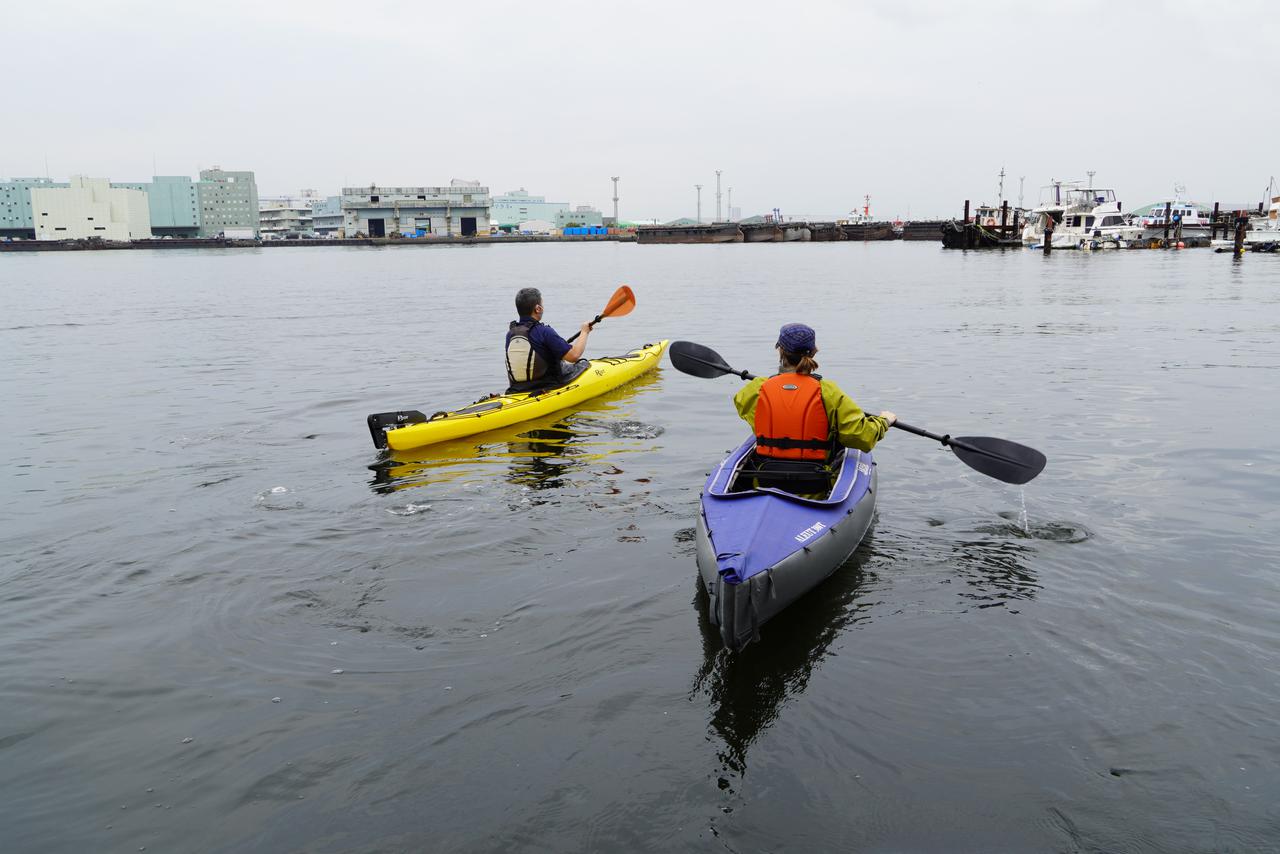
{"type": "Point", "coordinates": [791, 422]}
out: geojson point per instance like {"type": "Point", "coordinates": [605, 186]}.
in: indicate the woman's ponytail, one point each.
{"type": "Point", "coordinates": [801, 363]}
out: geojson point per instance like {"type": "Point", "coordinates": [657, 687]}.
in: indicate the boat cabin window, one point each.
{"type": "Point", "coordinates": [1088, 222]}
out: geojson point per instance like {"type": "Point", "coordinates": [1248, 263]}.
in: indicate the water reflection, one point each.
{"type": "Point", "coordinates": [545, 456]}
{"type": "Point", "coordinates": [538, 455]}
{"type": "Point", "coordinates": [746, 691]}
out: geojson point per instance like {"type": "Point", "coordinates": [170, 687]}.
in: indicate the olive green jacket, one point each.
{"type": "Point", "coordinates": [849, 424]}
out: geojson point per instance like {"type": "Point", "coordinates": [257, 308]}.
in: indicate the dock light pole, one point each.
{"type": "Point", "coordinates": [730, 204]}
{"type": "Point", "coordinates": [718, 219]}
{"type": "Point", "coordinates": [614, 179]}
{"type": "Point", "coordinates": [698, 187]}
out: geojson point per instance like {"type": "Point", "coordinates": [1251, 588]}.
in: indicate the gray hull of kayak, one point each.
{"type": "Point", "coordinates": [739, 610]}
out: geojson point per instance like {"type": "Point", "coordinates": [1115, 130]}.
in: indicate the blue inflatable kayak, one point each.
{"type": "Point", "coordinates": [760, 549]}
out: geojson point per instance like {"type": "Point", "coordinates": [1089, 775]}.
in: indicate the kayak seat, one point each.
{"type": "Point", "coordinates": [801, 477]}
{"type": "Point", "coordinates": [568, 373]}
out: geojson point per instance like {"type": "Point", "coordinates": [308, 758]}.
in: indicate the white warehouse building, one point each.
{"type": "Point", "coordinates": [90, 207]}
{"type": "Point", "coordinates": [459, 210]}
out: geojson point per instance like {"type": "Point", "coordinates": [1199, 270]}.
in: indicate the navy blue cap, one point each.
{"type": "Point", "coordinates": [797, 338]}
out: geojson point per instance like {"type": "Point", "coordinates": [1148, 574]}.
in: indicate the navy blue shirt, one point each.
{"type": "Point", "coordinates": [548, 343]}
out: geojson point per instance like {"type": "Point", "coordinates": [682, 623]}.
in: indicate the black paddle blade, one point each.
{"type": "Point", "coordinates": [697, 360]}
{"type": "Point", "coordinates": [999, 458]}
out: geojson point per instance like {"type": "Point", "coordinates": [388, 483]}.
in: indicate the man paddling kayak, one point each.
{"type": "Point", "coordinates": [537, 357]}
{"type": "Point", "coordinates": [799, 418]}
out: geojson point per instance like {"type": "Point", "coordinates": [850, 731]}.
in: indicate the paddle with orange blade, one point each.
{"type": "Point", "coordinates": [622, 302]}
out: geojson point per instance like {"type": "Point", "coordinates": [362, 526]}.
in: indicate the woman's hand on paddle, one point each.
{"type": "Point", "coordinates": [585, 330]}
{"type": "Point", "coordinates": [889, 416]}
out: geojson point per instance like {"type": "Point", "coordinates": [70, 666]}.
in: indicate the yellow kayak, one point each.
{"type": "Point", "coordinates": [402, 431]}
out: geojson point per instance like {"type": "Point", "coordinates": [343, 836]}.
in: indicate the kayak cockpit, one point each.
{"type": "Point", "coordinates": [742, 475]}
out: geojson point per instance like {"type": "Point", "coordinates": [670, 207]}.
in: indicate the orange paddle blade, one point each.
{"type": "Point", "coordinates": [623, 302]}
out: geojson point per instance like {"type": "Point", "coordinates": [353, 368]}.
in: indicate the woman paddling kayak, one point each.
{"type": "Point", "coordinates": [800, 419]}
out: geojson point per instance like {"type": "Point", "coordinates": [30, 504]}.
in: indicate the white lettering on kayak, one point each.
{"type": "Point", "coordinates": [810, 532]}
{"type": "Point", "coordinates": [864, 468]}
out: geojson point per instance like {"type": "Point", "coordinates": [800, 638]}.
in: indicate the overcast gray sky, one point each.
{"type": "Point", "coordinates": [804, 106]}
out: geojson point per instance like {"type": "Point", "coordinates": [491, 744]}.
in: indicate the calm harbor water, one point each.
{"type": "Point", "coordinates": [228, 624]}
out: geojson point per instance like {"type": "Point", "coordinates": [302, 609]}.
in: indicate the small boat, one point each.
{"type": "Point", "coordinates": [1263, 234]}
{"type": "Point", "coordinates": [403, 431]}
{"type": "Point", "coordinates": [760, 548]}
{"type": "Point", "coordinates": [1195, 219]}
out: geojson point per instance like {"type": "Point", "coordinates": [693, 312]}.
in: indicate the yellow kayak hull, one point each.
{"type": "Point", "coordinates": [604, 374]}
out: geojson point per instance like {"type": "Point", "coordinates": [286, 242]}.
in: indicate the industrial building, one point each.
{"type": "Point", "coordinates": [326, 217]}
{"type": "Point", "coordinates": [581, 215]}
{"type": "Point", "coordinates": [228, 203]}
{"type": "Point", "coordinates": [174, 201]}
{"type": "Point", "coordinates": [286, 216]}
{"type": "Point", "coordinates": [517, 206]}
{"type": "Point", "coordinates": [178, 207]}
{"type": "Point", "coordinates": [89, 208]}
{"type": "Point", "coordinates": [15, 206]}
{"type": "Point", "coordinates": [459, 210]}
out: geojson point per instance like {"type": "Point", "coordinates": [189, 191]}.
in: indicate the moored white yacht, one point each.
{"type": "Point", "coordinates": [1093, 220]}
{"type": "Point", "coordinates": [1053, 204]}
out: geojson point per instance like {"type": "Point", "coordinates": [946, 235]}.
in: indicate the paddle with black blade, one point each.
{"type": "Point", "coordinates": [999, 458]}
{"type": "Point", "coordinates": [622, 302]}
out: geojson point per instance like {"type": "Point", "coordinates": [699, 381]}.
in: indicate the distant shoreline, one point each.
{"type": "Point", "coordinates": [216, 243]}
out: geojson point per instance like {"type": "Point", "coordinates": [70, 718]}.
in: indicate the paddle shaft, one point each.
{"type": "Point", "coordinates": [955, 443]}
{"type": "Point", "coordinates": [574, 336]}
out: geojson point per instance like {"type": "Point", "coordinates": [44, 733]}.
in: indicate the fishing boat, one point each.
{"type": "Point", "coordinates": [760, 547]}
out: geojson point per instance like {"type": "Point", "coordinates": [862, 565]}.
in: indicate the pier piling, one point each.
{"type": "Point", "coordinates": [1168, 209]}
{"type": "Point", "coordinates": [1242, 225]}
{"type": "Point", "coordinates": [1048, 233]}
{"type": "Point", "coordinates": [1213, 223]}
{"type": "Point", "coordinates": [1004, 219]}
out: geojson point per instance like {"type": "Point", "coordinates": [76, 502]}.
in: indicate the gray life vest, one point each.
{"type": "Point", "coordinates": [525, 365]}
